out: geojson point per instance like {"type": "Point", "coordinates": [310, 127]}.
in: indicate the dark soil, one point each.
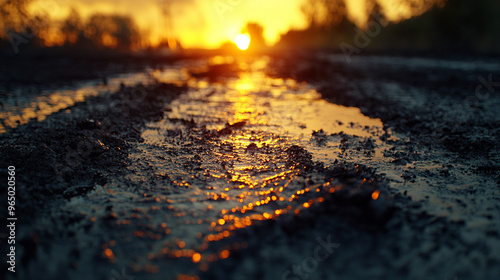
{"type": "Point", "coordinates": [119, 186]}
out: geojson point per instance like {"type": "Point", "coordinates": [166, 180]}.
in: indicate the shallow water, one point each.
{"type": "Point", "coordinates": [241, 149]}
{"type": "Point", "coordinates": [19, 107]}
{"type": "Point", "coordinates": [252, 167]}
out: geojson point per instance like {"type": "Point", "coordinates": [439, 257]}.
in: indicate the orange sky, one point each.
{"type": "Point", "coordinates": [202, 23]}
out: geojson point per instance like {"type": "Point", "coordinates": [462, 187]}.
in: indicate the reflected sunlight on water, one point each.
{"type": "Point", "coordinates": [19, 108]}
{"type": "Point", "coordinates": [236, 150]}
{"type": "Point", "coordinates": [233, 149]}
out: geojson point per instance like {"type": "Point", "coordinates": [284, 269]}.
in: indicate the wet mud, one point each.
{"type": "Point", "coordinates": [261, 168]}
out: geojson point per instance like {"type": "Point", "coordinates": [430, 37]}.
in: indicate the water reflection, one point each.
{"type": "Point", "coordinates": [232, 152]}
{"type": "Point", "coordinates": [234, 149]}
{"type": "Point", "coordinates": [18, 107]}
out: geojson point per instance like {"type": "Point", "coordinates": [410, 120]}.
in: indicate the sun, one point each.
{"type": "Point", "coordinates": [242, 41]}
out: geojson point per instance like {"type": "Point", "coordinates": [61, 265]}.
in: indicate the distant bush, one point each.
{"type": "Point", "coordinates": [112, 31]}
{"type": "Point", "coordinates": [438, 25]}
{"type": "Point", "coordinates": [461, 25]}
{"type": "Point", "coordinates": [18, 27]}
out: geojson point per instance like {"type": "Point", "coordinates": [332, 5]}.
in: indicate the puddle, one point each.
{"type": "Point", "coordinates": [238, 151]}
{"type": "Point", "coordinates": [233, 152]}
{"type": "Point", "coordinates": [18, 108]}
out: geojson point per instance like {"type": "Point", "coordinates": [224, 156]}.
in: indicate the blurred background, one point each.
{"type": "Point", "coordinates": [173, 25]}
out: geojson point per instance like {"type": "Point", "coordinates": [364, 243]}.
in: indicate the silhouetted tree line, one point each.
{"type": "Point", "coordinates": [114, 31]}
{"type": "Point", "coordinates": [18, 27]}
{"type": "Point", "coordinates": [256, 32]}
{"type": "Point", "coordinates": [13, 16]}
{"type": "Point", "coordinates": [443, 25]}
{"type": "Point", "coordinates": [461, 25]}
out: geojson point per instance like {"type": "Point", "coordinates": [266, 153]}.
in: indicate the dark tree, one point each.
{"type": "Point", "coordinates": [324, 13]}
{"type": "Point", "coordinates": [13, 16]}
{"type": "Point", "coordinates": [113, 31]}
{"type": "Point", "coordinates": [72, 28]}
{"type": "Point", "coordinates": [256, 32]}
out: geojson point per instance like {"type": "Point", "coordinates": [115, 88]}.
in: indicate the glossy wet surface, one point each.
{"type": "Point", "coordinates": [229, 154]}
{"type": "Point", "coordinates": [242, 166]}
{"type": "Point", "coordinates": [245, 170]}
{"type": "Point", "coordinates": [19, 106]}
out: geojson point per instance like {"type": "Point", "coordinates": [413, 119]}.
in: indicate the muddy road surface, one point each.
{"type": "Point", "coordinates": [271, 167]}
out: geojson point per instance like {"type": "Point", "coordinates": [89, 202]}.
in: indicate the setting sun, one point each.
{"type": "Point", "coordinates": [242, 41]}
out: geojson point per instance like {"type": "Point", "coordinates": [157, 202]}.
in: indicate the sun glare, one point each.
{"type": "Point", "coordinates": [242, 41]}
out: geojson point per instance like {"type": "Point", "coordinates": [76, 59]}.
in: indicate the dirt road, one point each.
{"type": "Point", "coordinates": [303, 167]}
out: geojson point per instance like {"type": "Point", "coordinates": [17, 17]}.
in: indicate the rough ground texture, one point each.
{"type": "Point", "coordinates": [229, 168]}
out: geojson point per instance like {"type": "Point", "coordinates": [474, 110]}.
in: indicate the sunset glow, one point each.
{"type": "Point", "coordinates": [207, 23]}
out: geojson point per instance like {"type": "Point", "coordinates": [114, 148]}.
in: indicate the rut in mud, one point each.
{"type": "Point", "coordinates": [210, 166]}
